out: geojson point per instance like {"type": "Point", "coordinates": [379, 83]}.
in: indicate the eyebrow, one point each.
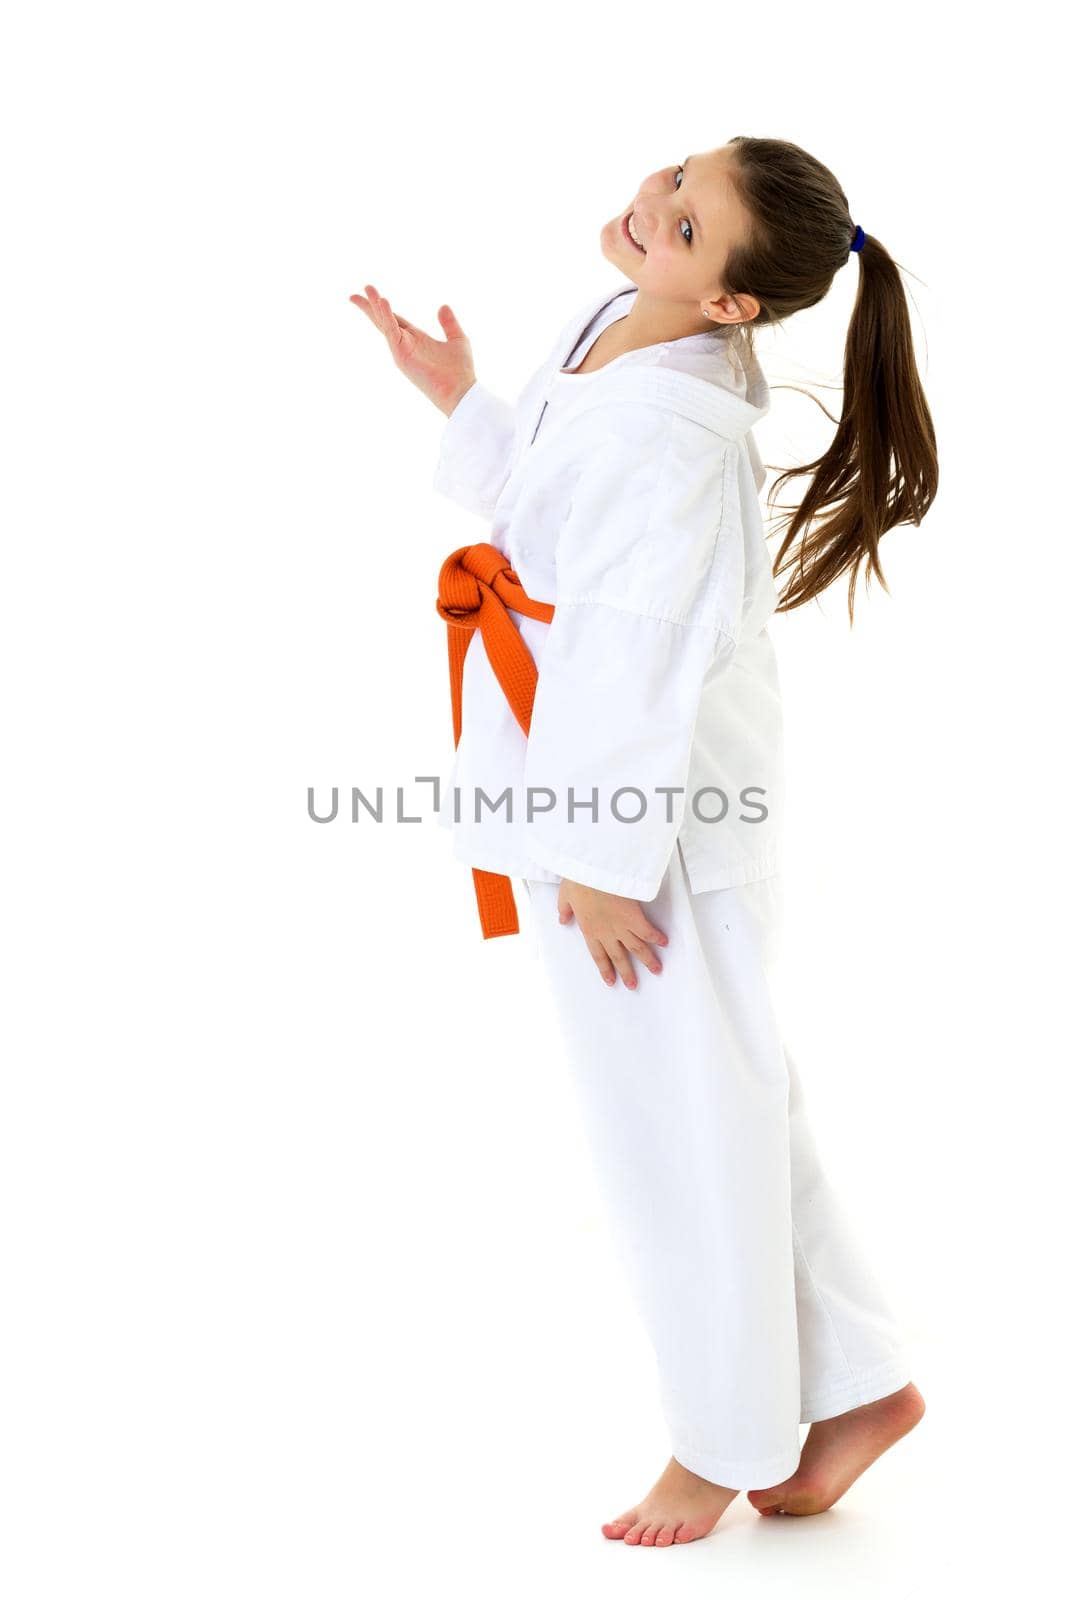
{"type": "Point", "coordinates": [696, 219]}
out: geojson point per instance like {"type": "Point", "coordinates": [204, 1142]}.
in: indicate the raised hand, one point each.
{"type": "Point", "coordinates": [443, 369]}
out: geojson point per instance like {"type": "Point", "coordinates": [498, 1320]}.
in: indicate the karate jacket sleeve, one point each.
{"type": "Point", "coordinates": [649, 594]}
{"type": "Point", "coordinates": [475, 450]}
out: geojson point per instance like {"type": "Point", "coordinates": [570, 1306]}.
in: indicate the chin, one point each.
{"type": "Point", "coordinates": [611, 246]}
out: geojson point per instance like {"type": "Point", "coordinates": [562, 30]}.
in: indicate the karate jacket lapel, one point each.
{"type": "Point", "coordinates": [725, 414]}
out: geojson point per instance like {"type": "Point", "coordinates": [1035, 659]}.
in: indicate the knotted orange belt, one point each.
{"type": "Point", "coordinates": [477, 589]}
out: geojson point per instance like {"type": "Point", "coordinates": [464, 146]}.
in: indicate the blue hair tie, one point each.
{"type": "Point", "coordinates": [857, 243]}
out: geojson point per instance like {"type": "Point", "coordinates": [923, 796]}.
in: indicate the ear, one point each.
{"type": "Point", "coordinates": [739, 308]}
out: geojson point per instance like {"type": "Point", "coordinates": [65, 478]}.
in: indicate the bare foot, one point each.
{"type": "Point", "coordinates": [678, 1508]}
{"type": "Point", "coordinates": [837, 1450]}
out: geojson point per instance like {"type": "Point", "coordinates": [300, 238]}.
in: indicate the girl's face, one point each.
{"type": "Point", "coordinates": [686, 220]}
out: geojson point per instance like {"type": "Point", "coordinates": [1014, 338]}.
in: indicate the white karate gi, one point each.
{"type": "Point", "coordinates": [628, 498]}
{"type": "Point", "coordinates": [633, 509]}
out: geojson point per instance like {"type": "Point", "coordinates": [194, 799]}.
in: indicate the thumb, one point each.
{"type": "Point", "coordinates": [450, 323]}
{"type": "Point", "coordinates": [566, 912]}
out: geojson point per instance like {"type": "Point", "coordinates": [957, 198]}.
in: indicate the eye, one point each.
{"type": "Point", "coordinates": [685, 223]}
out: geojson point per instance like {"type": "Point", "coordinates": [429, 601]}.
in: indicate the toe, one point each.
{"type": "Point", "coordinates": [769, 1502]}
{"type": "Point", "coordinates": [620, 1526]}
{"type": "Point", "coordinates": [649, 1535]}
{"type": "Point", "coordinates": [633, 1535]}
{"type": "Point", "coordinates": [665, 1535]}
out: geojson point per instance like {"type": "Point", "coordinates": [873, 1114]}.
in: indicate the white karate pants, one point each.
{"type": "Point", "coordinates": [760, 1308]}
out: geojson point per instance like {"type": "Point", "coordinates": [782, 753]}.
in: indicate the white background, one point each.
{"type": "Point", "coordinates": [307, 1289]}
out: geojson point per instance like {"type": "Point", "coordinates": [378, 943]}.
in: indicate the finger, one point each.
{"type": "Point", "coordinates": [566, 911]}
{"type": "Point", "coordinates": [381, 309]}
{"type": "Point", "coordinates": [373, 305]}
{"type": "Point", "coordinates": [643, 952]}
{"type": "Point", "coordinates": [621, 960]}
{"type": "Point", "coordinates": [389, 322]}
{"type": "Point", "coordinates": [410, 328]}
{"type": "Point", "coordinates": [365, 306]}
{"type": "Point", "coordinates": [645, 929]}
{"type": "Point", "coordinates": [450, 323]}
{"type": "Point", "coordinates": [604, 966]}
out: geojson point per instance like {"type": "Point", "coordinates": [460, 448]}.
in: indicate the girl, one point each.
{"type": "Point", "coordinates": [618, 731]}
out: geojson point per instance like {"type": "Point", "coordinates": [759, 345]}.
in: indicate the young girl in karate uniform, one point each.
{"type": "Point", "coordinates": [614, 682]}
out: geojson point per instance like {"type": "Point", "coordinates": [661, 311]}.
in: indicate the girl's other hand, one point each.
{"type": "Point", "coordinates": [442, 368]}
{"type": "Point", "coordinates": [614, 928]}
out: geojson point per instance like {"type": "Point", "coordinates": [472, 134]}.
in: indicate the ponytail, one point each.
{"type": "Point", "coordinates": [880, 469]}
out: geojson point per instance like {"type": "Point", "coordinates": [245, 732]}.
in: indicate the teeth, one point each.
{"type": "Point", "coordinates": [630, 231]}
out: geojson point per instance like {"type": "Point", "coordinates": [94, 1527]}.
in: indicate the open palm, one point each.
{"type": "Point", "coordinates": [442, 368]}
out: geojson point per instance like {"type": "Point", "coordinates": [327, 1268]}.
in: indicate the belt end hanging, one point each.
{"type": "Point", "coordinates": [496, 903]}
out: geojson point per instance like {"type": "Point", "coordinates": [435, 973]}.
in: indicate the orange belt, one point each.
{"type": "Point", "coordinates": [477, 589]}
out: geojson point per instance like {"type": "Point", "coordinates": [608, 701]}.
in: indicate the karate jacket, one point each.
{"type": "Point", "coordinates": [657, 715]}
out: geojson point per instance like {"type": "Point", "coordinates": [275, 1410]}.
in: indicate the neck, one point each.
{"type": "Point", "coordinates": [653, 321]}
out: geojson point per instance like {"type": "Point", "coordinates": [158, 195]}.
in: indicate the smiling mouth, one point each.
{"type": "Point", "coordinates": [629, 235]}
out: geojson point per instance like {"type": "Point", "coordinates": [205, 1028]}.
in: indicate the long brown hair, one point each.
{"type": "Point", "coordinates": [881, 467]}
